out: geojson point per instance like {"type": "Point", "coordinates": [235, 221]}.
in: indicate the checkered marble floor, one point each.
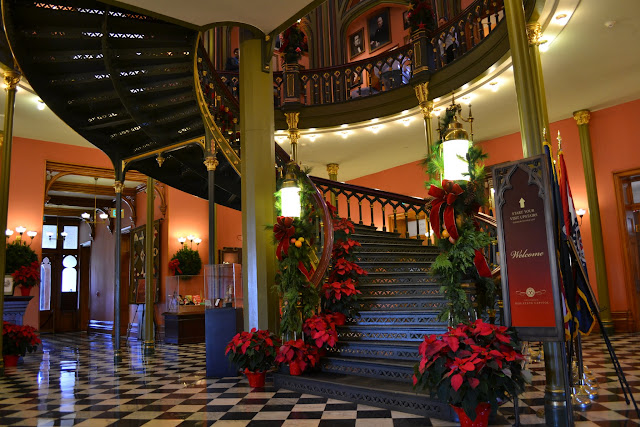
{"type": "Point", "coordinates": [74, 381]}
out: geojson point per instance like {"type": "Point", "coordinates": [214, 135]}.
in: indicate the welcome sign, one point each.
{"type": "Point", "coordinates": [528, 263]}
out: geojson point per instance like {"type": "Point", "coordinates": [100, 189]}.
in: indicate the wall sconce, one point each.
{"type": "Point", "coordinates": [20, 230]}
{"type": "Point", "coordinates": [64, 235]}
{"type": "Point", "coordinates": [182, 240]}
{"type": "Point", "coordinates": [8, 233]}
{"type": "Point", "coordinates": [580, 212]}
{"type": "Point", "coordinates": [198, 241]}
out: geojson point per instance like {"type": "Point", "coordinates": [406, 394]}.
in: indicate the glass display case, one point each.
{"type": "Point", "coordinates": [223, 283]}
{"type": "Point", "coordinates": [185, 294]}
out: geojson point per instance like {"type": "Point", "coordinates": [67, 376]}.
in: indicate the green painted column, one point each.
{"type": "Point", "coordinates": [534, 33]}
{"type": "Point", "coordinates": [211, 163]}
{"type": "Point", "coordinates": [258, 187]}
{"type": "Point", "coordinates": [118, 187]}
{"type": "Point", "coordinates": [149, 282]}
{"type": "Point", "coordinates": [426, 106]}
{"type": "Point", "coordinates": [524, 79]}
{"type": "Point", "coordinates": [332, 170]}
{"type": "Point", "coordinates": [11, 80]}
{"type": "Point", "coordinates": [582, 118]}
{"type": "Point", "coordinates": [530, 97]}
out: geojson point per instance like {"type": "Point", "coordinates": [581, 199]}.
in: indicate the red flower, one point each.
{"type": "Point", "coordinates": [322, 330]}
{"type": "Point", "coordinates": [27, 275]}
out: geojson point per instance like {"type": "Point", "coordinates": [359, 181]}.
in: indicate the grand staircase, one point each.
{"type": "Point", "coordinates": [373, 362]}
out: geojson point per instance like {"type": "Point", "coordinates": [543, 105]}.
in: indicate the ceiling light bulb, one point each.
{"type": "Point", "coordinates": [436, 100]}
{"type": "Point", "coordinates": [40, 104]}
{"type": "Point", "coordinates": [104, 216]}
{"type": "Point", "coordinates": [312, 137]}
{"type": "Point", "coordinates": [312, 129]}
{"type": "Point", "coordinates": [375, 128]}
{"type": "Point", "coordinates": [85, 215]}
{"type": "Point", "coordinates": [345, 134]}
{"type": "Point", "coordinates": [374, 120]}
{"type": "Point", "coordinates": [64, 234]}
{"type": "Point", "coordinates": [407, 121]}
{"type": "Point", "coordinates": [344, 125]}
{"type": "Point", "coordinates": [562, 18]}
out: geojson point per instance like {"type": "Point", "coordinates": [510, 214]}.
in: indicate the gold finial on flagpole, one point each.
{"type": "Point", "coordinates": [544, 135]}
{"type": "Point", "coordinates": [559, 142]}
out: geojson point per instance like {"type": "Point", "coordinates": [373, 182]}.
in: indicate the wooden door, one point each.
{"type": "Point", "coordinates": [85, 281]}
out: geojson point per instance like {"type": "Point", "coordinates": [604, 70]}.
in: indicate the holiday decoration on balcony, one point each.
{"type": "Point", "coordinates": [420, 15]}
{"type": "Point", "coordinates": [293, 44]}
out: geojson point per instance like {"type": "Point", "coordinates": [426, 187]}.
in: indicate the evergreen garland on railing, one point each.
{"type": "Point", "coordinates": [461, 260]}
{"type": "Point", "coordinates": [294, 238]}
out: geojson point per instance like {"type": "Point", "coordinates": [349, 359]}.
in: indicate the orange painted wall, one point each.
{"type": "Point", "coordinates": [615, 148]}
{"type": "Point", "coordinates": [398, 32]}
{"type": "Point", "coordinates": [26, 193]}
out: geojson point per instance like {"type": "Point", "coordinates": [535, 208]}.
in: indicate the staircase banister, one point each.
{"type": "Point", "coordinates": [372, 191]}
{"type": "Point", "coordinates": [221, 86]}
{"type": "Point", "coordinates": [487, 219]}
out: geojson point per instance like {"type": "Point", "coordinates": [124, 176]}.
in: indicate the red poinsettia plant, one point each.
{"type": "Point", "coordinates": [472, 364]}
{"type": "Point", "coordinates": [27, 276]}
{"type": "Point", "coordinates": [17, 340]}
{"type": "Point", "coordinates": [321, 329]}
{"type": "Point", "coordinates": [253, 351]}
{"type": "Point", "coordinates": [298, 355]}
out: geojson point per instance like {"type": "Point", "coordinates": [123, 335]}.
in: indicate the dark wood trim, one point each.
{"type": "Point", "coordinates": [621, 208]}
{"type": "Point", "coordinates": [365, 190]}
{"type": "Point", "coordinates": [100, 190]}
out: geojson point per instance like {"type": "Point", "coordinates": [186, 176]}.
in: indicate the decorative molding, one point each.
{"type": "Point", "coordinates": [100, 190]}
{"type": "Point", "coordinates": [582, 117]}
{"type": "Point", "coordinates": [118, 186]}
{"type": "Point", "coordinates": [332, 170]}
{"type": "Point", "coordinates": [11, 79]}
{"type": "Point", "coordinates": [91, 171]}
{"type": "Point", "coordinates": [211, 163]}
{"type": "Point", "coordinates": [534, 33]}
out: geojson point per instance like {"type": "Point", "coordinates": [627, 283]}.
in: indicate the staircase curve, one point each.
{"type": "Point", "coordinates": [141, 89]}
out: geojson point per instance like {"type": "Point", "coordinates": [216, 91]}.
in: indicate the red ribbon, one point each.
{"type": "Point", "coordinates": [444, 198]}
{"type": "Point", "coordinates": [303, 270]}
{"type": "Point", "coordinates": [283, 229]}
{"type": "Point", "coordinates": [174, 266]}
{"type": "Point", "coordinates": [481, 264]}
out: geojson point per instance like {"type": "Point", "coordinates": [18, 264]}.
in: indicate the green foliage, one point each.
{"type": "Point", "coordinates": [190, 262]}
{"type": "Point", "coordinates": [18, 255]}
{"type": "Point", "coordinates": [455, 265]}
{"type": "Point", "coordinates": [300, 299]}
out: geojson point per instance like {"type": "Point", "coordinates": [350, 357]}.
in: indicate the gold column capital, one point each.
{"type": "Point", "coordinates": [11, 79]}
{"type": "Point", "coordinates": [332, 170]}
{"type": "Point", "coordinates": [582, 117]}
{"type": "Point", "coordinates": [292, 118]}
{"type": "Point", "coordinates": [211, 163]}
{"type": "Point", "coordinates": [534, 33]}
{"type": "Point", "coordinates": [118, 186]}
{"type": "Point", "coordinates": [422, 93]}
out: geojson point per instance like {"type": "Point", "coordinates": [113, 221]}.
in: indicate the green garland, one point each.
{"type": "Point", "coordinates": [455, 265]}
{"type": "Point", "coordinates": [300, 299]}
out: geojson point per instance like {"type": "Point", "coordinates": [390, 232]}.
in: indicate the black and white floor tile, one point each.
{"type": "Point", "coordinates": [73, 381]}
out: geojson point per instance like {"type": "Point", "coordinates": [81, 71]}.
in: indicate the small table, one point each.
{"type": "Point", "coordinates": [185, 327]}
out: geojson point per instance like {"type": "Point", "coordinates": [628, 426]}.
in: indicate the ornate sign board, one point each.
{"type": "Point", "coordinates": [524, 212]}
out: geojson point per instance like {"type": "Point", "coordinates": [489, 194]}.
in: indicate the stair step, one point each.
{"type": "Point", "coordinates": [407, 278]}
{"type": "Point", "coordinates": [388, 394]}
{"type": "Point", "coordinates": [396, 319]}
{"type": "Point", "coordinates": [404, 291]}
{"type": "Point", "coordinates": [394, 350]}
{"type": "Point", "coordinates": [395, 267]}
{"type": "Point", "coordinates": [401, 303]}
{"type": "Point", "coordinates": [389, 333]}
{"type": "Point", "coordinates": [384, 238]}
{"type": "Point", "coordinates": [399, 370]}
{"type": "Point", "coordinates": [366, 247]}
{"type": "Point", "coordinates": [363, 257]}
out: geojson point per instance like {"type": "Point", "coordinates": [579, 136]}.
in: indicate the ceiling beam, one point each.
{"type": "Point", "coordinates": [49, 211]}
{"type": "Point", "coordinates": [79, 202]}
{"type": "Point", "coordinates": [100, 190]}
{"type": "Point", "coordinates": [94, 172]}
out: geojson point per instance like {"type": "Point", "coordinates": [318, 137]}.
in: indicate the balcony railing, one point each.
{"type": "Point", "coordinates": [391, 69]}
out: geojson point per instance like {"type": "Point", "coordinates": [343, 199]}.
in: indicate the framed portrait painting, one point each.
{"type": "Point", "coordinates": [356, 43]}
{"type": "Point", "coordinates": [379, 29]}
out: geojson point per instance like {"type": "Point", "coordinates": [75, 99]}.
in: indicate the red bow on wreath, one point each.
{"type": "Point", "coordinates": [174, 265]}
{"type": "Point", "coordinates": [444, 197]}
{"type": "Point", "coordinates": [283, 229]}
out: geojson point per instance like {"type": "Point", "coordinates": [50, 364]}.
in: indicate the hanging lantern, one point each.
{"type": "Point", "coordinates": [290, 197]}
{"type": "Point", "coordinates": [455, 146]}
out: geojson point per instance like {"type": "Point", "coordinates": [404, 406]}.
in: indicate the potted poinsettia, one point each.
{"type": "Point", "coordinates": [472, 367]}
{"type": "Point", "coordinates": [17, 340]}
{"type": "Point", "coordinates": [27, 276]}
{"type": "Point", "coordinates": [298, 355]}
{"type": "Point", "coordinates": [254, 353]}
